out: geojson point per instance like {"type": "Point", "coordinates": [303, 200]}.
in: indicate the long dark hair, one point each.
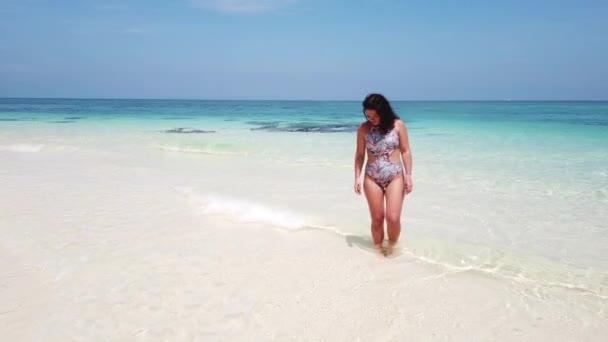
{"type": "Point", "coordinates": [380, 104]}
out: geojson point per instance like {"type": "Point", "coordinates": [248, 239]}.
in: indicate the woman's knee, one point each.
{"type": "Point", "coordinates": [377, 219]}
{"type": "Point", "coordinates": [393, 219]}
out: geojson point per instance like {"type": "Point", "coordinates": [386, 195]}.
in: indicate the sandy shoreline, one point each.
{"type": "Point", "coordinates": [275, 288]}
{"type": "Point", "coordinates": [127, 257]}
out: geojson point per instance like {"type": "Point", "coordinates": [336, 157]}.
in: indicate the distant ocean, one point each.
{"type": "Point", "coordinates": [516, 190]}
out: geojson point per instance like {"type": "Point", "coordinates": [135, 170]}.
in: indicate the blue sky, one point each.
{"type": "Point", "coordinates": [304, 49]}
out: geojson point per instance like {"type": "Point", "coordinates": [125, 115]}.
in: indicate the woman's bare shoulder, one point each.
{"type": "Point", "coordinates": [363, 127]}
{"type": "Point", "coordinates": [400, 124]}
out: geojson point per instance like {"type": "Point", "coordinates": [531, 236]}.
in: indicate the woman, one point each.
{"type": "Point", "coordinates": [384, 137]}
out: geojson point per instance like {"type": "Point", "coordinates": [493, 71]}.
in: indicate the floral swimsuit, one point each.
{"type": "Point", "coordinates": [382, 170]}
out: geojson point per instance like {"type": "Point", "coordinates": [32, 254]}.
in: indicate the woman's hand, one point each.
{"type": "Point", "coordinates": [408, 186]}
{"type": "Point", "coordinates": [358, 185]}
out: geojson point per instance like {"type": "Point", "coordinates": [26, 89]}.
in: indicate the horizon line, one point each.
{"type": "Point", "coordinates": [293, 100]}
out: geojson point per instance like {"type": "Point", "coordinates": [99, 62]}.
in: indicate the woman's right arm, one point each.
{"type": "Point", "coordinates": [359, 157]}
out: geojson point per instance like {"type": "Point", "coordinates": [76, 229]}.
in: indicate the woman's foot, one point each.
{"type": "Point", "coordinates": [380, 249]}
{"type": "Point", "coordinates": [390, 249]}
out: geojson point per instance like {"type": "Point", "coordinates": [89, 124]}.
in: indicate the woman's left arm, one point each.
{"type": "Point", "coordinates": [406, 155]}
{"type": "Point", "coordinates": [404, 146]}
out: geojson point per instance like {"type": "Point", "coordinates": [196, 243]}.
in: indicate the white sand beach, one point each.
{"type": "Point", "coordinates": [112, 247]}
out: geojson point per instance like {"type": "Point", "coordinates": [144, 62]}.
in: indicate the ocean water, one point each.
{"type": "Point", "coordinates": [513, 190]}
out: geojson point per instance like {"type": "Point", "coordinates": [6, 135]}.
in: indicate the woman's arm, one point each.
{"type": "Point", "coordinates": [359, 157]}
{"type": "Point", "coordinates": [404, 146]}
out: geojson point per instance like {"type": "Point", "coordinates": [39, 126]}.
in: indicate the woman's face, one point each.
{"type": "Point", "coordinates": [372, 116]}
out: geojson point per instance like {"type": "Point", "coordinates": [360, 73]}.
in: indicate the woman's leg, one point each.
{"type": "Point", "coordinates": [394, 203]}
{"type": "Point", "coordinates": [375, 201]}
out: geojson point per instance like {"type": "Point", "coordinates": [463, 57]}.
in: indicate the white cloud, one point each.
{"type": "Point", "coordinates": [244, 6]}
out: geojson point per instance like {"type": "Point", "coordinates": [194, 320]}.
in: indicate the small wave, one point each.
{"type": "Point", "coordinates": [246, 211]}
{"type": "Point", "coordinates": [22, 147]}
{"type": "Point", "coordinates": [527, 269]}
{"type": "Point", "coordinates": [453, 259]}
